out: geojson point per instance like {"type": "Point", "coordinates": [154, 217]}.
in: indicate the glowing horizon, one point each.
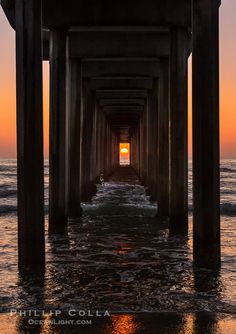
{"type": "Point", "coordinates": [227, 87]}
{"type": "Point", "coordinates": [124, 153]}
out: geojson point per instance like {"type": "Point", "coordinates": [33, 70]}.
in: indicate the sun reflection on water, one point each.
{"type": "Point", "coordinates": [123, 249]}
{"type": "Point", "coordinates": [123, 324]}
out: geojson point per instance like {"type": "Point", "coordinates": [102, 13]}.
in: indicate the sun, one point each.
{"type": "Point", "coordinates": [124, 150]}
{"type": "Point", "coordinates": [124, 154]}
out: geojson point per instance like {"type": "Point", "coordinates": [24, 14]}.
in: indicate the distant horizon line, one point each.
{"type": "Point", "coordinates": [190, 159]}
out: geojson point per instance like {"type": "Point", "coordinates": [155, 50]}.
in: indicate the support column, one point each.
{"type": "Point", "coordinates": [153, 139]}
{"type": "Point", "coordinates": [58, 68]}
{"type": "Point", "coordinates": [103, 146]}
{"type": "Point", "coordinates": [31, 247]}
{"type": "Point", "coordinates": [74, 149]}
{"type": "Point", "coordinates": [105, 152]}
{"type": "Point", "coordinates": [143, 148]}
{"type": "Point", "coordinates": [100, 143]}
{"type": "Point", "coordinates": [163, 143]}
{"type": "Point", "coordinates": [108, 155]}
{"type": "Point", "coordinates": [117, 152]}
{"type": "Point", "coordinates": [112, 150]}
{"type": "Point", "coordinates": [87, 188]}
{"type": "Point", "coordinates": [138, 151]}
{"type": "Point", "coordinates": [179, 132]}
{"type": "Point", "coordinates": [141, 158]}
{"type": "Point", "coordinates": [93, 172]}
{"type": "Point", "coordinates": [206, 172]}
{"type": "Point", "coordinates": [150, 143]}
{"type": "Point", "coordinates": [132, 150]}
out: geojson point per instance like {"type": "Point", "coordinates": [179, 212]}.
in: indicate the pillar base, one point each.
{"type": "Point", "coordinates": [58, 229]}
{"type": "Point", "coordinates": [206, 255]}
{"type": "Point", "coordinates": [75, 213]}
{"type": "Point", "coordinates": [88, 192]}
{"type": "Point", "coordinates": [162, 221]}
{"type": "Point", "coordinates": [32, 264]}
{"type": "Point", "coordinates": [178, 226]}
{"type": "Point", "coordinates": [153, 197]}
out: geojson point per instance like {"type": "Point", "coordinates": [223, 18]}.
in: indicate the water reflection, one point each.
{"type": "Point", "coordinates": [147, 323]}
{"type": "Point", "coordinates": [29, 325]}
{"type": "Point", "coordinates": [142, 323]}
{"type": "Point", "coordinates": [31, 293]}
{"type": "Point", "coordinates": [31, 290]}
{"type": "Point", "coordinates": [123, 248]}
{"type": "Point", "coordinates": [118, 259]}
{"type": "Point", "coordinates": [207, 281]}
{"type": "Point", "coordinates": [206, 323]}
{"type": "Point", "coordinates": [125, 263]}
{"type": "Point", "coordinates": [123, 324]}
{"type": "Point", "coordinates": [61, 273]}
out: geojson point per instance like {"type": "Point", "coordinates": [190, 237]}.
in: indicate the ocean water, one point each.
{"type": "Point", "coordinates": [117, 257]}
{"type": "Point", "coordinates": [8, 202]}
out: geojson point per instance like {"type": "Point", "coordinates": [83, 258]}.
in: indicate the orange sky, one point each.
{"type": "Point", "coordinates": [124, 155]}
{"type": "Point", "coordinates": [227, 86]}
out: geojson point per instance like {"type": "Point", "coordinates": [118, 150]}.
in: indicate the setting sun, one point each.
{"type": "Point", "coordinates": [124, 151]}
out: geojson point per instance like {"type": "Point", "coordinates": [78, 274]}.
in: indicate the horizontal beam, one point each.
{"type": "Point", "coordinates": [94, 44]}
{"type": "Point", "coordinates": [122, 83]}
{"type": "Point", "coordinates": [118, 44]}
{"type": "Point", "coordinates": [123, 116]}
{"type": "Point", "coordinates": [115, 68]}
{"type": "Point", "coordinates": [135, 108]}
{"type": "Point", "coordinates": [115, 125]}
{"type": "Point", "coordinates": [112, 102]}
{"type": "Point", "coordinates": [125, 28]}
{"type": "Point", "coordinates": [71, 13]}
{"type": "Point", "coordinates": [121, 93]}
{"type": "Point", "coordinates": [123, 124]}
{"type": "Point", "coordinates": [122, 59]}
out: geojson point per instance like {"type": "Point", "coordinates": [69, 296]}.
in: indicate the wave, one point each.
{"type": "Point", "coordinates": [225, 191]}
{"type": "Point", "coordinates": [7, 193]}
{"type": "Point", "coordinates": [12, 209]}
{"type": "Point", "coordinates": [230, 170]}
{"type": "Point", "coordinates": [6, 209]}
{"type": "Point", "coordinates": [8, 174]}
{"type": "Point", "coordinates": [7, 168]}
{"type": "Point", "coordinates": [228, 209]}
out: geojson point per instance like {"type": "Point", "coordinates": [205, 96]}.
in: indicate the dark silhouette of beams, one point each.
{"type": "Point", "coordinates": [74, 146]}
{"type": "Point", "coordinates": [163, 170]}
{"type": "Point", "coordinates": [57, 186]}
{"type": "Point", "coordinates": [31, 246]}
{"type": "Point", "coordinates": [179, 132]}
{"type": "Point", "coordinates": [206, 173]}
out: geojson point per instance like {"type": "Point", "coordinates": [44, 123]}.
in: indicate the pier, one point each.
{"type": "Point", "coordinates": [118, 74]}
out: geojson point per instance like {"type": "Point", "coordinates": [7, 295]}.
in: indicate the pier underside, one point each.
{"type": "Point", "coordinates": [118, 74]}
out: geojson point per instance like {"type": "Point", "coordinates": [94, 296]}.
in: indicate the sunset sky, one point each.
{"type": "Point", "coordinates": [124, 153]}
{"type": "Point", "coordinates": [227, 86]}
